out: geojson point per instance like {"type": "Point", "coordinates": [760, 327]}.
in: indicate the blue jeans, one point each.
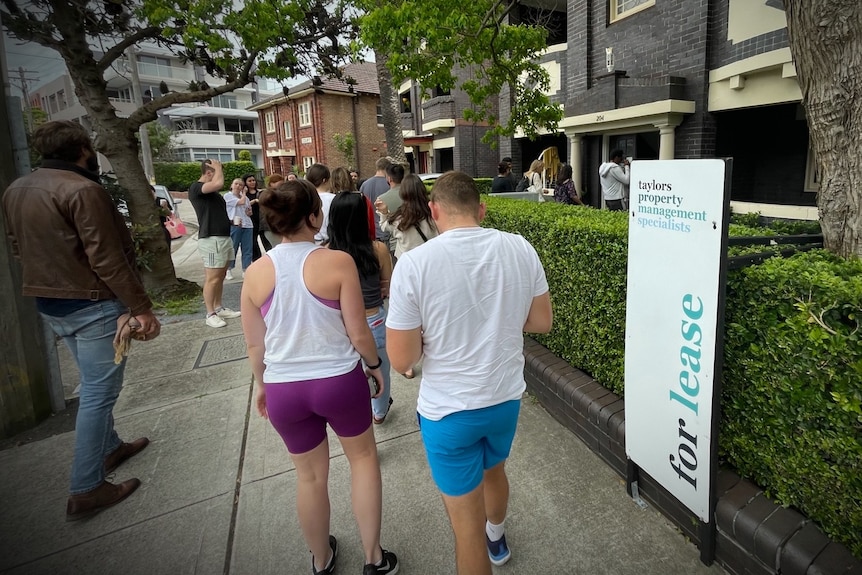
{"type": "Point", "coordinates": [241, 238]}
{"type": "Point", "coordinates": [377, 323]}
{"type": "Point", "coordinates": [89, 335]}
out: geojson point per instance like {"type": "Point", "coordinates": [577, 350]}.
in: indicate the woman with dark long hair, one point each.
{"type": "Point", "coordinates": [411, 224]}
{"type": "Point", "coordinates": [349, 232]}
{"type": "Point", "coordinates": [565, 192]}
{"type": "Point", "coordinates": [305, 329]}
{"type": "Point", "coordinates": [253, 194]}
{"type": "Point", "coordinates": [342, 181]}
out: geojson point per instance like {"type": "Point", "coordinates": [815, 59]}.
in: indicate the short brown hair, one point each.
{"type": "Point", "coordinates": [341, 181]}
{"type": "Point", "coordinates": [317, 174]}
{"type": "Point", "coordinates": [206, 166]}
{"type": "Point", "coordinates": [274, 179]}
{"type": "Point", "coordinates": [61, 140]}
{"type": "Point", "coordinates": [457, 193]}
{"type": "Point", "coordinates": [383, 163]}
{"type": "Point", "coordinates": [289, 206]}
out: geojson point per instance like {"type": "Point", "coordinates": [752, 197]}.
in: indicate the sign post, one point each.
{"type": "Point", "coordinates": [677, 262]}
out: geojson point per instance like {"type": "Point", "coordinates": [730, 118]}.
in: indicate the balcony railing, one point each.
{"type": "Point", "coordinates": [160, 71]}
{"type": "Point", "coordinates": [239, 138]}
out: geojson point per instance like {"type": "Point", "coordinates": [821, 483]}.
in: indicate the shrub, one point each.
{"type": "Point", "coordinates": [178, 176]}
{"type": "Point", "coordinates": [792, 384]}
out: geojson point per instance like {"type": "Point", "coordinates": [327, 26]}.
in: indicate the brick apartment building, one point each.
{"type": "Point", "coordinates": [437, 138]}
{"type": "Point", "coordinates": [693, 79]}
{"type": "Point", "coordinates": [298, 128]}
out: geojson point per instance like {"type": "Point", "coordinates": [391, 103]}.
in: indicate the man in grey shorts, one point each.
{"type": "Point", "coordinates": [214, 243]}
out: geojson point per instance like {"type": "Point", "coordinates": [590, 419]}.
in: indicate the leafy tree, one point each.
{"type": "Point", "coordinates": [429, 40]}
{"type": "Point", "coordinates": [826, 42]}
{"type": "Point", "coordinates": [39, 117]}
{"type": "Point", "coordinates": [346, 146]}
{"type": "Point", "coordinates": [163, 142]}
{"type": "Point", "coordinates": [244, 156]}
{"type": "Point", "coordinates": [231, 41]}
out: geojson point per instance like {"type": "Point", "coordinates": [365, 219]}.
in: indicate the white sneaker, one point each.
{"type": "Point", "coordinates": [227, 313]}
{"type": "Point", "coordinates": [228, 275]}
{"type": "Point", "coordinates": [215, 321]}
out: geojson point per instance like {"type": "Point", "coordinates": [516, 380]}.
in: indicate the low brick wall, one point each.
{"type": "Point", "coordinates": [755, 536]}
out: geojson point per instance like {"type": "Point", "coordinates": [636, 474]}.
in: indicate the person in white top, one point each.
{"type": "Point", "coordinates": [464, 300]}
{"type": "Point", "coordinates": [241, 225]}
{"type": "Point", "coordinates": [411, 224]}
{"type": "Point", "coordinates": [534, 177]}
{"type": "Point", "coordinates": [320, 176]}
{"type": "Point", "coordinates": [305, 328]}
{"type": "Point", "coordinates": [614, 177]}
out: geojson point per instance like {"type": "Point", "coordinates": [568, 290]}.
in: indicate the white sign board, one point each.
{"type": "Point", "coordinates": [676, 226]}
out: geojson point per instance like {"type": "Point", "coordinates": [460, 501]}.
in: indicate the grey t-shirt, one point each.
{"type": "Point", "coordinates": [373, 188]}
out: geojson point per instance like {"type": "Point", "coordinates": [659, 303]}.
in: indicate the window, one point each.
{"type": "Point", "coordinates": [287, 132]}
{"type": "Point", "coordinates": [269, 118]}
{"type": "Point", "coordinates": [224, 101]}
{"type": "Point", "coordinates": [812, 177]}
{"type": "Point", "coordinates": [379, 115]}
{"type": "Point", "coordinates": [52, 102]}
{"type": "Point", "coordinates": [119, 94]}
{"type": "Point", "coordinates": [61, 97]}
{"type": "Point", "coordinates": [404, 98]}
{"type": "Point", "coordinates": [237, 125]}
{"type": "Point", "coordinates": [438, 91]}
{"type": "Point", "coordinates": [622, 8]}
{"type": "Point", "coordinates": [220, 154]}
{"type": "Point", "coordinates": [307, 161]}
{"type": "Point", "coordinates": [155, 66]}
{"type": "Point", "coordinates": [304, 114]}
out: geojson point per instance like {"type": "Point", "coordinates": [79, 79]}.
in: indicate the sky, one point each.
{"type": "Point", "coordinates": [38, 61]}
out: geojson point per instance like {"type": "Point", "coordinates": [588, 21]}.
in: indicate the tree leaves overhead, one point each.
{"type": "Point", "coordinates": [429, 40]}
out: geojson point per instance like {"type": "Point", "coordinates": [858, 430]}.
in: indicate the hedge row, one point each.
{"type": "Point", "coordinates": [792, 383]}
{"type": "Point", "coordinates": [177, 176]}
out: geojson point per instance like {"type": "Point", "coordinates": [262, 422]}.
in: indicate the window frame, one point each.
{"type": "Point", "coordinates": [307, 162]}
{"type": "Point", "coordinates": [287, 130]}
{"type": "Point", "coordinates": [613, 5]}
{"type": "Point", "coordinates": [304, 113]}
{"type": "Point", "coordinates": [269, 121]}
{"type": "Point", "coordinates": [812, 178]}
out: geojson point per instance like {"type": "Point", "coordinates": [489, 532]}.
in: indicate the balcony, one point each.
{"type": "Point", "coordinates": [147, 70]}
{"type": "Point", "coordinates": [211, 138]}
{"type": "Point", "coordinates": [438, 114]}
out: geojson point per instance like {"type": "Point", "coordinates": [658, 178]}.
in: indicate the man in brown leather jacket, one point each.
{"type": "Point", "coordinates": [78, 262]}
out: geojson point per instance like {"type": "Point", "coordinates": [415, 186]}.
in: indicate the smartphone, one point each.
{"type": "Point", "coordinates": [373, 385]}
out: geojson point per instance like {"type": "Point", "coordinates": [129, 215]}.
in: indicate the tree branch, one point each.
{"type": "Point", "coordinates": [148, 112]}
{"type": "Point", "coordinates": [116, 51]}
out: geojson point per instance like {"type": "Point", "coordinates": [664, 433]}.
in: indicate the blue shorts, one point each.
{"type": "Point", "coordinates": [462, 445]}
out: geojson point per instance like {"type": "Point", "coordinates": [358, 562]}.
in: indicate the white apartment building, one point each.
{"type": "Point", "coordinates": [219, 128]}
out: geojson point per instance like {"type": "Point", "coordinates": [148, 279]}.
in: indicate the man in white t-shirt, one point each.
{"type": "Point", "coordinates": [468, 323]}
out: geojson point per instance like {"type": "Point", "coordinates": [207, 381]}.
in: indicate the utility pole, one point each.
{"type": "Point", "coordinates": [146, 152]}
{"type": "Point", "coordinates": [25, 88]}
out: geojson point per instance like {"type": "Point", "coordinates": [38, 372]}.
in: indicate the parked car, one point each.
{"type": "Point", "coordinates": [174, 223]}
{"type": "Point", "coordinates": [163, 194]}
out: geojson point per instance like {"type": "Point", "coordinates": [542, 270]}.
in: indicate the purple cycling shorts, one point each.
{"type": "Point", "coordinates": [299, 411]}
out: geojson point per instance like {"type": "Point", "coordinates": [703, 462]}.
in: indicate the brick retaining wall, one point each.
{"type": "Point", "coordinates": [755, 536]}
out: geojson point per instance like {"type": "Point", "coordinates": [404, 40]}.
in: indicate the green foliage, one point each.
{"type": "Point", "coordinates": [484, 184]}
{"type": "Point", "coordinates": [429, 40]}
{"type": "Point", "coordinates": [345, 144]}
{"type": "Point", "coordinates": [776, 226]}
{"type": "Point", "coordinates": [162, 142]}
{"type": "Point", "coordinates": [178, 176]}
{"type": "Point", "coordinates": [792, 382]}
{"type": "Point", "coordinates": [244, 156]}
{"type": "Point", "coordinates": [180, 299]}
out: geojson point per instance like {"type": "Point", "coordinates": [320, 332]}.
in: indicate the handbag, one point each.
{"type": "Point", "coordinates": [175, 227]}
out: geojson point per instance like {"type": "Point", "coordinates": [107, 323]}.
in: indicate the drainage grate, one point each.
{"type": "Point", "coordinates": [222, 350]}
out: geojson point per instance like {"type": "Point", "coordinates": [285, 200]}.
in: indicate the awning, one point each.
{"type": "Point", "coordinates": [418, 140]}
{"type": "Point", "coordinates": [201, 111]}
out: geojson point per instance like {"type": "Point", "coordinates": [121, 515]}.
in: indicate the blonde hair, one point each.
{"type": "Point", "coordinates": [536, 166]}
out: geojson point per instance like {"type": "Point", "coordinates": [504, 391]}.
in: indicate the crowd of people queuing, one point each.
{"type": "Point", "coordinates": [341, 286]}
{"type": "Point", "coordinates": [349, 291]}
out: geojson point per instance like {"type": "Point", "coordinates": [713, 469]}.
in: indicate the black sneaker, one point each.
{"type": "Point", "coordinates": [388, 566]}
{"type": "Point", "coordinates": [330, 567]}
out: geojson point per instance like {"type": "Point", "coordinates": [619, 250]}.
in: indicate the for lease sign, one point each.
{"type": "Point", "coordinates": [676, 217]}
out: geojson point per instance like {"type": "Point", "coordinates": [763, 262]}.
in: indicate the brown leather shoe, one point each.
{"type": "Point", "coordinates": [123, 452]}
{"type": "Point", "coordinates": [102, 497]}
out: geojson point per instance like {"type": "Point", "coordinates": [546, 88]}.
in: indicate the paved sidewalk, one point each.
{"type": "Point", "coordinates": [218, 486]}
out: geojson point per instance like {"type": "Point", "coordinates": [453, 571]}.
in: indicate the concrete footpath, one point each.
{"type": "Point", "coordinates": [218, 487]}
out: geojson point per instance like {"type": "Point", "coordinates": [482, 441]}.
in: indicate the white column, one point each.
{"type": "Point", "coordinates": [667, 137]}
{"type": "Point", "coordinates": [575, 160]}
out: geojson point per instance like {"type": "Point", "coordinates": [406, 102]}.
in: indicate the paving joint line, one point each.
{"type": "Point", "coordinates": [238, 487]}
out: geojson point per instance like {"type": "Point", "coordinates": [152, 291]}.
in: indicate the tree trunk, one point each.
{"type": "Point", "coordinates": [826, 42]}
{"type": "Point", "coordinates": [115, 138]}
{"type": "Point", "coordinates": [391, 109]}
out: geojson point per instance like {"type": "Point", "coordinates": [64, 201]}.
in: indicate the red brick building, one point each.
{"type": "Point", "coordinates": [298, 129]}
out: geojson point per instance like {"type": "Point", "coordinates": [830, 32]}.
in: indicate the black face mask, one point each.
{"type": "Point", "coordinates": [93, 164]}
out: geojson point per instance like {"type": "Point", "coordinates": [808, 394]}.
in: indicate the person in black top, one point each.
{"type": "Point", "coordinates": [502, 183]}
{"type": "Point", "coordinates": [214, 244]}
{"type": "Point", "coordinates": [252, 193]}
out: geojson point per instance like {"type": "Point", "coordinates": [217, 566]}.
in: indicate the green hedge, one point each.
{"type": "Point", "coordinates": [177, 176]}
{"type": "Point", "coordinates": [792, 388]}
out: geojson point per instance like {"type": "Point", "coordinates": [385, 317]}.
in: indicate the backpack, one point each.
{"type": "Point", "coordinates": [523, 184]}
